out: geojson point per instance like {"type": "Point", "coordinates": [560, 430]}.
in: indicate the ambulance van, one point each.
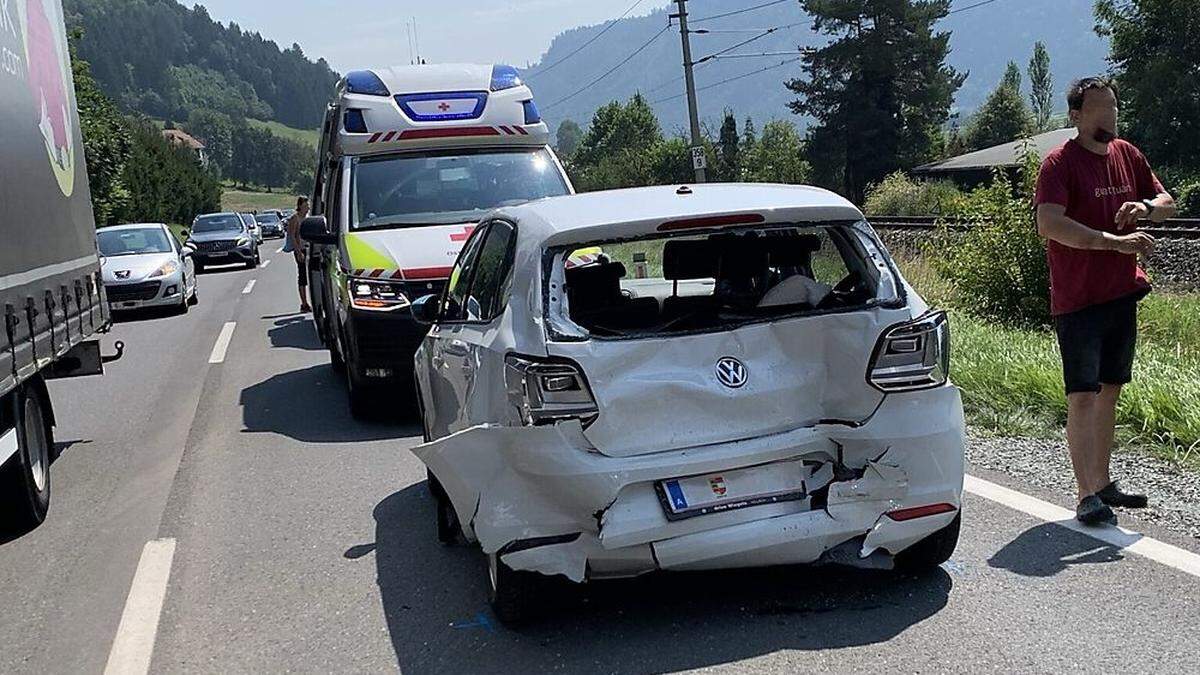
{"type": "Point", "coordinates": [410, 159]}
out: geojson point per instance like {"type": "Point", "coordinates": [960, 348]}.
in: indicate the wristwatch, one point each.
{"type": "Point", "coordinates": [1149, 207]}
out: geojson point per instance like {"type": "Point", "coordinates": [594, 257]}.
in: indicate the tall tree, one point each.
{"type": "Point", "coordinates": [106, 141]}
{"type": "Point", "coordinates": [879, 91]}
{"type": "Point", "coordinates": [568, 137]}
{"type": "Point", "coordinates": [729, 161]}
{"type": "Point", "coordinates": [1041, 83]}
{"type": "Point", "coordinates": [1004, 117]}
{"type": "Point", "coordinates": [779, 156]}
{"type": "Point", "coordinates": [1155, 49]}
{"type": "Point", "coordinates": [1012, 77]}
{"type": "Point", "coordinates": [215, 130]}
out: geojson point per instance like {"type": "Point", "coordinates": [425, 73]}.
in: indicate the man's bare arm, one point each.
{"type": "Point", "coordinates": [1054, 224]}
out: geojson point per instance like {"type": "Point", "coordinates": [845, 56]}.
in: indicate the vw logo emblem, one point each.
{"type": "Point", "coordinates": [731, 372]}
{"type": "Point", "coordinates": [123, 274]}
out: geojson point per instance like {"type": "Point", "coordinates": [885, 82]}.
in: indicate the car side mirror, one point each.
{"type": "Point", "coordinates": [315, 230]}
{"type": "Point", "coordinates": [425, 309]}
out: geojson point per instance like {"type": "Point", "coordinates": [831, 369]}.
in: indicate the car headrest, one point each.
{"type": "Point", "coordinates": [688, 259]}
{"type": "Point", "coordinates": [594, 286]}
{"type": "Point", "coordinates": [792, 251]}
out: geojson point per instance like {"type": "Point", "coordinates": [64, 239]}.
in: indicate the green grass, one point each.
{"type": "Point", "coordinates": [1012, 378]}
{"type": "Point", "coordinates": [243, 201]}
{"type": "Point", "coordinates": [309, 137]}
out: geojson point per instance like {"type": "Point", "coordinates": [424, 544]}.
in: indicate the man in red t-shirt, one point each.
{"type": "Point", "coordinates": [1091, 193]}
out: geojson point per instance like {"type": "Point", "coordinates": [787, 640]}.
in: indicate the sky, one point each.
{"type": "Point", "coordinates": [365, 33]}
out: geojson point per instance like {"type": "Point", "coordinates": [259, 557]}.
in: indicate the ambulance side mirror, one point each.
{"type": "Point", "coordinates": [315, 230]}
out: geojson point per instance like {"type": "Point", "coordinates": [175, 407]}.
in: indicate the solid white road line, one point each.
{"type": "Point", "coordinates": [134, 644]}
{"type": "Point", "coordinates": [219, 349]}
{"type": "Point", "coordinates": [249, 287]}
{"type": "Point", "coordinates": [265, 263]}
{"type": "Point", "coordinates": [1160, 552]}
{"type": "Point", "coordinates": [280, 250]}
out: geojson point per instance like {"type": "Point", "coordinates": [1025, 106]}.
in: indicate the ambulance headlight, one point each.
{"type": "Point", "coordinates": [505, 77]}
{"type": "Point", "coordinates": [366, 82]}
{"type": "Point", "coordinates": [377, 296]}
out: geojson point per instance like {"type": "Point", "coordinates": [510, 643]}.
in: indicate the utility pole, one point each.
{"type": "Point", "coordinates": [699, 161]}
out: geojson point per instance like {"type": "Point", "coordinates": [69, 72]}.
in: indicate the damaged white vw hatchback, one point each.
{"type": "Point", "coordinates": [686, 379]}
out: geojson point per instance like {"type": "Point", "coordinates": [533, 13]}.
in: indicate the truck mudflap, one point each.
{"type": "Point", "coordinates": [545, 501]}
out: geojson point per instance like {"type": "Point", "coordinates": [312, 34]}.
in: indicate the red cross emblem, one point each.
{"type": "Point", "coordinates": [464, 235]}
{"type": "Point", "coordinates": [443, 106]}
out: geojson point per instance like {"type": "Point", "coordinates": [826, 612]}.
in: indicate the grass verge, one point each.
{"type": "Point", "coordinates": [1012, 378]}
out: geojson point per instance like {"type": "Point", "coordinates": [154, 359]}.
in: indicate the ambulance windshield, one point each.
{"type": "Point", "coordinates": [446, 188]}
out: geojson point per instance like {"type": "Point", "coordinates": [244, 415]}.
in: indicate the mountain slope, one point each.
{"type": "Point", "coordinates": [983, 40]}
{"type": "Point", "coordinates": [165, 60]}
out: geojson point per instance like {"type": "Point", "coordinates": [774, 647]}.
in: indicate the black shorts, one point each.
{"type": "Point", "coordinates": [1097, 345]}
{"type": "Point", "coordinates": [301, 272]}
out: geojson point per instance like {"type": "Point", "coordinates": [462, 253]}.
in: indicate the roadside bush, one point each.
{"type": "Point", "coordinates": [998, 267]}
{"type": "Point", "coordinates": [1188, 200]}
{"type": "Point", "coordinates": [899, 195]}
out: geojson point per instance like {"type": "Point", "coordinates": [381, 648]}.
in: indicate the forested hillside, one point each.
{"type": "Point", "coordinates": [166, 61]}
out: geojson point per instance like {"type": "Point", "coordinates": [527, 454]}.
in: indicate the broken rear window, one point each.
{"type": "Point", "coordinates": [690, 283]}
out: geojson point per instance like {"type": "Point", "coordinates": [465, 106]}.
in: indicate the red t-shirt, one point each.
{"type": "Point", "coordinates": [1093, 187]}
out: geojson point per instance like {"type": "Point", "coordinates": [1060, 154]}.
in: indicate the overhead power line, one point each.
{"type": "Point", "coordinates": [583, 46]}
{"type": "Point", "coordinates": [747, 41]}
{"type": "Point", "coordinates": [612, 70]}
{"type": "Point", "coordinates": [741, 11]}
{"type": "Point", "coordinates": [731, 79]}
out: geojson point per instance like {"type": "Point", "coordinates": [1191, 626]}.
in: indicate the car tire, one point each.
{"type": "Point", "coordinates": [515, 597]}
{"type": "Point", "coordinates": [25, 481]}
{"type": "Point", "coordinates": [184, 305]}
{"type": "Point", "coordinates": [336, 359]}
{"type": "Point", "coordinates": [927, 554]}
{"type": "Point", "coordinates": [199, 268]}
{"type": "Point", "coordinates": [195, 299]}
{"type": "Point", "coordinates": [449, 530]}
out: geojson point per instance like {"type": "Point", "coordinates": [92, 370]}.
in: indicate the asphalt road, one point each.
{"type": "Point", "coordinates": [304, 541]}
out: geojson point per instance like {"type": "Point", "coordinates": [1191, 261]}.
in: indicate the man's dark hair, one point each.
{"type": "Point", "coordinates": [1080, 88]}
{"type": "Point", "coordinates": [301, 201]}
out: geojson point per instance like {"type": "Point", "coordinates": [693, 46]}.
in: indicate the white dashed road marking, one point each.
{"type": "Point", "coordinates": [219, 349]}
{"type": "Point", "coordinates": [249, 287]}
{"type": "Point", "coordinates": [265, 263]}
{"type": "Point", "coordinates": [1127, 540]}
{"type": "Point", "coordinates": [134, 644]}
{"type": "Point", "coordinates": [280, 250]}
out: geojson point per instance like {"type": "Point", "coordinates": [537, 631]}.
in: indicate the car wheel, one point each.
{"type": "Point", "coordinates": [25, 483]}
{"type": "Point", "coordinates": [183, 304]}
{"type": "Point", "coordinates": [515, 597]}
{"type": "Point", "coordinates": [195, 299]}
{"type": "Point", "coordinates": [927, 554]}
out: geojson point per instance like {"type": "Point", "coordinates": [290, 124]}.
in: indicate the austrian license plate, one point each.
{"type": "Point", "coordinates": [717, 492]}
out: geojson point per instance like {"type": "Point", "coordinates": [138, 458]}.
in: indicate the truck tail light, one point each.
{"type": "Point", "coordinates": [545, 392]}
{"type": "Point", "coordinates": [913, 355]}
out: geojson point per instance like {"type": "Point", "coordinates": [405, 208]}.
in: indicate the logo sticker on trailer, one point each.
{"type": "Point", "coordinates": [50, 84]}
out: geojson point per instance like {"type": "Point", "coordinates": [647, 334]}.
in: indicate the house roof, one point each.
{"type": "Point", "coordinates": [1004, 155]}
{"type": "Point", "coordinates": [180, 138]}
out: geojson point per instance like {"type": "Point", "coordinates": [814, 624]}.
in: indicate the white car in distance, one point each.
{"type": "Point", "coordinates": [686, 378]}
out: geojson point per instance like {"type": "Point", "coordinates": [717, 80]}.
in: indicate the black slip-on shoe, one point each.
{"type": "Point", "coordinates": [1113, 496]}
{"type": "Point", "coordinates": [1092, 511]}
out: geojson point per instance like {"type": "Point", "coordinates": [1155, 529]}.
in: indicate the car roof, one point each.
{"type": "Point", "coordinates": [130, 226]}
{"type": "Point", "coordinates": [640, 211]}
{"type": "Point", "coordinates": [214, 215]}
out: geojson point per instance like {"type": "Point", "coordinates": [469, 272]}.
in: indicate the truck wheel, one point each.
{"type": "Point", "coordinates": [26, 479]}
{"type": "Point", "coordinates": [515, 596]}
{"type": "Point", "coordinates": [931, 551]}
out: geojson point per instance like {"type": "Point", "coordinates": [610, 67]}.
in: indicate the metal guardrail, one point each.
{"type": "Point", "coordinates": [1175, 228]}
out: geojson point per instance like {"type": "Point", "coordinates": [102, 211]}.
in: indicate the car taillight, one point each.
{"type": "Point", "coordinates": [545, 392]}
{"type": "Point", "coordinates": [913, 355]}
